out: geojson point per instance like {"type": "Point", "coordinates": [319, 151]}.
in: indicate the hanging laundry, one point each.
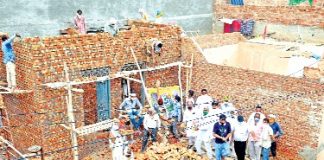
{"type": "Point", "coordinates": [247, 27]}
{"type": "Point", "coordinates": [227, 24]}
{"type": "Point", "coordinates": [237, 2]}
{"type": "Point", "coordinates": [236, 25]}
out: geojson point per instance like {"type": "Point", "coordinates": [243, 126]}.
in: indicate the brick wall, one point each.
{"type": "Point", "coordinates": [41, 61]}
{"type": "Point", "coordinates": [22, 126]}
{"type": "Point", "coordinates": [269, 12]}
{"type": "Point", "coordinates": [298, 115]}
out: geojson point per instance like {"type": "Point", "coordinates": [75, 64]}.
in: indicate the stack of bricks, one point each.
{"type": "Point", "coordinates": [41, 60]}
{"type": "Point", "coordinates": [304, 15]}
{"type": "Point", "coordinates": [217, 40]}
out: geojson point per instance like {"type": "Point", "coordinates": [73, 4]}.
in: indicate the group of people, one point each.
{"type": "Point", "coordinates": [208, 125]}
{"type": "Point", "coordinates": [228, 132]}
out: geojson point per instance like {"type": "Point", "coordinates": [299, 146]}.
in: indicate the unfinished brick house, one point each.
{"type": "Point", "coordinates": [35, 117]}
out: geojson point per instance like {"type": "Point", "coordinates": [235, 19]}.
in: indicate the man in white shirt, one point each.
{"type": "Point", "coordinates": [151, 124]}
{"type": "Point", "coordinates": [205, 130]}
{"type": "Point", "coordinates": [117, 143]}
{"type": "Point", "coordinates": [254, 142]}
{"type": "Point", "coordinates": [266, 139]}
{"type": "Point", "coordinates": [258, 109]}
{"type": "Point", "coordinates": [204, 100]}
{"type": "Point", "coordinates": [189, 118]}
{"type": "Point", "coordinates": [227, 107]}
{"type": "Point", "coordinates": [240, 136]}
{"type": "Point", "coordinates": [232, 119]}
{"type": "Point", "coordinates": [215, 109]}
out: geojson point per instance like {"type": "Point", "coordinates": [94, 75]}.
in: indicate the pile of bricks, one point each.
{"type": "Point", "coordinates": [286, 15]}
{"type": "Point", "coordinates": [217, 40]}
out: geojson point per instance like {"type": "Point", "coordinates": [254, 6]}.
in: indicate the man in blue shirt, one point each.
{"type": "Point", "coordinates": [175, 115]}
{"type": "Point", "coordinates": [9, 59]}
{"type": "Point", "coordinates": [277, 132]}
{"type": "Point", "coordinates": [222, 133]}
{"type": "Point", "coordinates": [133, 107]}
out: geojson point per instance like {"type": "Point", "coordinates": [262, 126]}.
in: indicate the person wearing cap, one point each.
{"type": "Point", "coordinates": [112, 27]}
{"type": "Point", "coordinates": [190, 119]}
{"type": "Point", "coordinates": [266, 139]}
{"type": "Point", "coordinates": [158, 17]}
{"type": "Point", "coordinates": [9, 59]}
{"type": "Point", "coordinates": [204, 100]}
{"type": "Point", "coordinates": [258, 109]}
{"type": "Point", "coordinates": [227, 106]}
{"type": "Point", "coordinates": [144, 16]}
{"type": "Point", "coordinates": [240, 135]}
{"type": "Point", "coordinates": [133, 107]}
{"type": "Point", "coordinates": [254, 141]}
{"type": "Point", "coordinates": [175, 115]}
{"type": "Point", "coordinates": [216, 110]}
{"type": "Point", "coordinates": [277, 132]}
{"type": "Point", "coordinates": [151, 124]}
{"type": "Point", "coordinates": [222, 133]}
{"type": "Point", "coordinates": [204, 133]}
{"type": "Point", "coordinates": [117, 142]}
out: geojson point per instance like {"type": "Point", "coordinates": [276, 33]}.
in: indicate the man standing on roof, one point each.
{"type": "Point", "coordinates": [133, 107]}
{"type": "Point", "coordinates": [79, 22]}
{"type": "Point", "coordinates": [204, 100]}
{"type": "Point", "coordinates": [9, 59]}
{"type": "Point", "coordinates": [144, 16]}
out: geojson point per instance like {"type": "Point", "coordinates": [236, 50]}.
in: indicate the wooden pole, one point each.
{"type": "Point", "coordinates": [142, 79]}
{"type": "Point", "coordinates": [71, 115]}
{"type": "Point", "coordinates": [117, 75]}
{"type": "Point", "coordinates": [180, 86]}
{"type": "Point", "coordinates": [192, 60]}
{"type": "Point", "coordinates": [187, 81]}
